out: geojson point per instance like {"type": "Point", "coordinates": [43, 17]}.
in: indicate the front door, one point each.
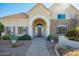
{"type": "Point", "coordinates": [39, 31]}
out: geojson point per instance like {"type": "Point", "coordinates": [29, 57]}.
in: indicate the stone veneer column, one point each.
{"type": "Point", "coordinates": [30, 30]}
{"type": "Point", "coordinates": [47, 30]}
{"type": "Point", "coordinates": [16, 30]}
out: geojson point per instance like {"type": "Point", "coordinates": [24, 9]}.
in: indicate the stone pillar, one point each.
{"type": "Point", "coordinates": [47, 30]}
{"type": "Point", "coordinates": [16, 30]}
{"type": "Point", "coordinates": [30, 31]}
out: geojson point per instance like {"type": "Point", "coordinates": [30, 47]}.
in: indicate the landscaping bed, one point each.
{"type": "Point", "coordinates": [52, 40]}
{"type": "Point", "coordinates": [50, 47]}
{"type": "Point", "coordinates": [20, 49]}
{"type": "Point", "coordinates": [67, 51]}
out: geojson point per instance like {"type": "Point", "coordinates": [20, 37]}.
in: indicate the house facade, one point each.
{"type": "Point", "coordinates": [42, 21]}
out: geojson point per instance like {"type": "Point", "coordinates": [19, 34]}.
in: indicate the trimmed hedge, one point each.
{"type": "Point", "coordinates": [25, 37]}
{"type": "Point", "coordinates": [49, 38]}
{"type": "Point", "coordinates": [0, 37]}
{"type": "Point", "coordinates": [6, 37]}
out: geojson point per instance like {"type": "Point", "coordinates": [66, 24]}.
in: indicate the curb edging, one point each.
{"type": "Point", "coordinates": [56, 51]}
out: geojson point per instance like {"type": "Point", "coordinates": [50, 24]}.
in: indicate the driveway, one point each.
{"type": "Point", "coordinates": [38, 47]}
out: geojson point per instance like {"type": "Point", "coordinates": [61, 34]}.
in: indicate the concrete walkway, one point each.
{"type": "Point", "coordinates": [38, 48]}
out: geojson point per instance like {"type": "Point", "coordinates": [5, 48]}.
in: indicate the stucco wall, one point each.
{"type": "Point", "coordinates": [37, 16]}
{"type": "Point", "coordinates": [39, 11]}
{"type": "Point", "coordinates": [63, 8]}
{"type": "Point", "coordinates": [15, 21]}
{"type": "Point", "coordinates": [65, 42]}
{"type": "Point", "coordinates": [11, 22]}
{"type": "Point", "coordinates": [54, 23]}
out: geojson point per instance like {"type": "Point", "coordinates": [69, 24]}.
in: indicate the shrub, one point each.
{"type": "Point", "coordinates": [0, 37]}
{"type": "Point", "coordinates": [49, 38]}
{"type": "Point", "coordinates": [25, 37]}
{"type": "Point", "coordinates": [6, 37]}
{"type": "Point", "coordinates": [52, 37]}
{"type": "Point", "coordinates": [1, 29]}
{"type": "Point", "coordinates": [72, 34]}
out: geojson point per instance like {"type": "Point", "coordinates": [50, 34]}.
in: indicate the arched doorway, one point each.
{"type": "Point", "coordinates": [39, 26]}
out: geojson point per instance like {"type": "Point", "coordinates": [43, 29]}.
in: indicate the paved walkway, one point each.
{"type": "Point", "coordinates": [38, 47]}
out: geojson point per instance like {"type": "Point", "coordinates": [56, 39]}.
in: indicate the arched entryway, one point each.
{"type": "Point", "coordinates": [39, 27]}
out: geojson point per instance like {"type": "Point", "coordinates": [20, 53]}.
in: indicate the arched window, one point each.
{"type": "Point", "coordinates": [61, 29]}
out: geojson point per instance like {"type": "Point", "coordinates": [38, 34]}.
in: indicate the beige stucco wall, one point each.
{"type": "Point", "coordinates": [55, 23]}
{"type": "Point", "coordinates": [59, 8]}
{"type": "Point", "coordinates": [15, 21]}
{"type": "Point", "coordinates": [67, 9]}
{"type": "Point", "coordinates": [39, 12]}
{"type": "Point", "coordinates": [39, 8]}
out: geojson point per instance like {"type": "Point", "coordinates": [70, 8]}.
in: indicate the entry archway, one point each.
{"type": "Point", "coordinates": [39, 27]}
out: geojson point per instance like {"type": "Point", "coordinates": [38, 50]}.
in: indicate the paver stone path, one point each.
{"type": "Point", "coordinates": [38, 47]}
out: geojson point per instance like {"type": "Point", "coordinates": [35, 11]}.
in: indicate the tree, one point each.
{"type": "Point", "coordinates": [1, 28]}
{"type": "Point", "coordinates": [72, 35]}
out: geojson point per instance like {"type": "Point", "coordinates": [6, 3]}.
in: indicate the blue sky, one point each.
{"type": "Point", "coordinates": [13, 8]}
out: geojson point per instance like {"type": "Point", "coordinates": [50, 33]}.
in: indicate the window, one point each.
{"type": "Point", "coordinates": [61, 30]}
{"type": "Point", "coordinates": [61, 16]}
{"type": "Point", "coordinates": [8, 30]}
{"type": "Point", "coordinates": [22, 30]}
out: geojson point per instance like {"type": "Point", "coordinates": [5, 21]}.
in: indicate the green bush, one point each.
{"type": "Point", "coordinates": [25, 37]}
{"type": "Point", "coordinates": [52, 37]}
{"type": "Point", "coordinates": [49, 38]}
{"type": "Point", "coordinates": [6, 37]}
{"type": "Point", "coordinates": [0, 37]}
{"type": "Point", "coordinates": [72, 34]}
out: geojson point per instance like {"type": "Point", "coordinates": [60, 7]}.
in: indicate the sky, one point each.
{"type": "Point", "coordinates": [13, 8]}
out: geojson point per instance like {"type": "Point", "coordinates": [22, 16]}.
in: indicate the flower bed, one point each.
{"type": "Point", "coordinates": [72, 53]}
{"type": "Point", "coordinates": [66, 51]}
